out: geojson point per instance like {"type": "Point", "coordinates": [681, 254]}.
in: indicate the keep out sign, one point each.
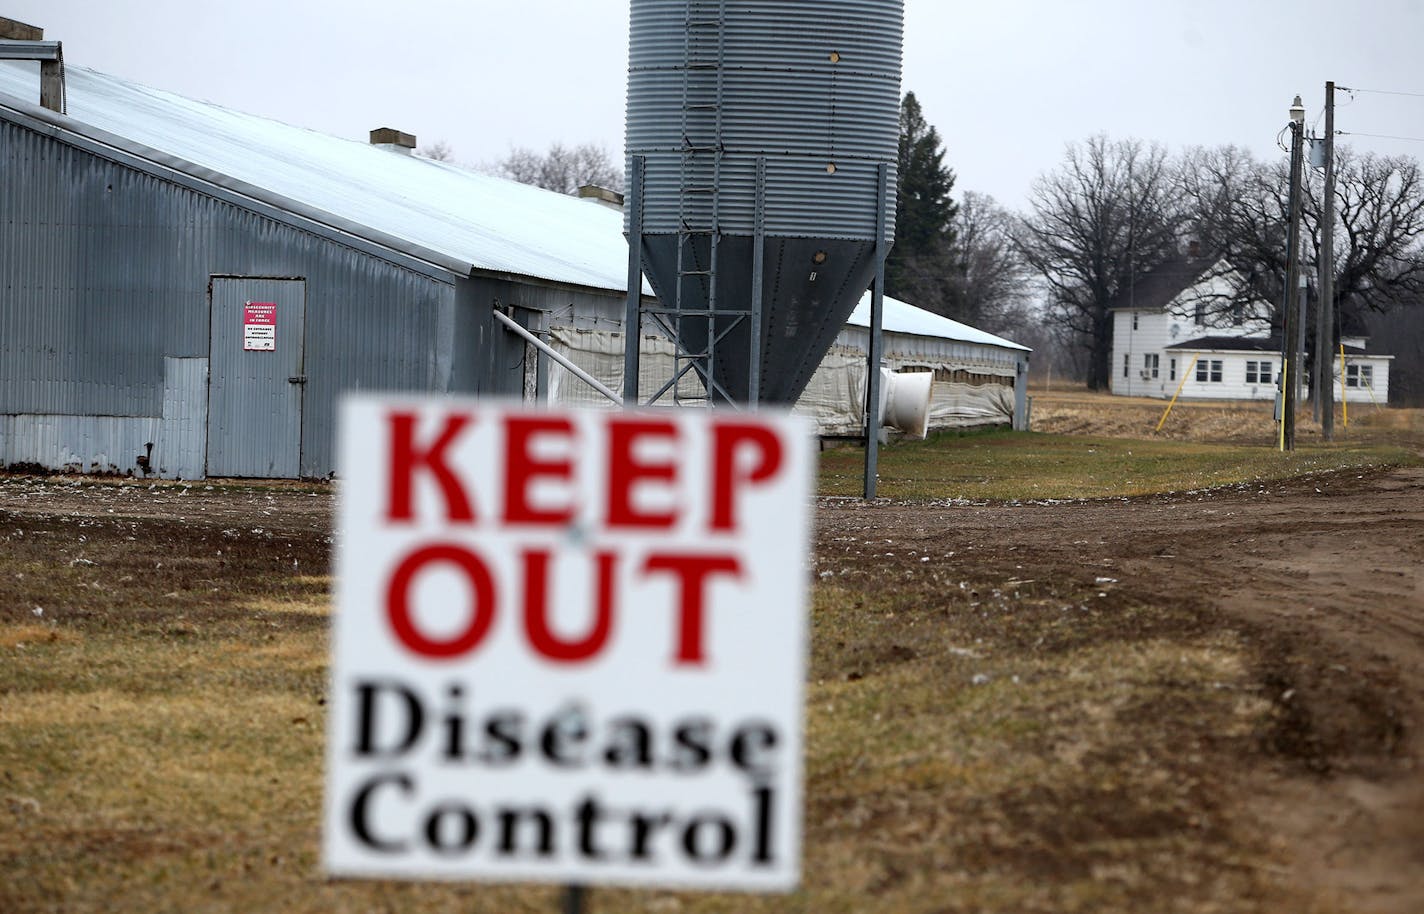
{"type": "Point", "coordinates": [568, 646]}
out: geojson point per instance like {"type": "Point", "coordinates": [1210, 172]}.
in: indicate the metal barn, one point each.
{"type": "Point", "coordinates": [187, 289]}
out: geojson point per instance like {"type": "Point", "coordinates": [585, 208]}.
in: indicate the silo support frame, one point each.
{"type": "Point", "coordinates": [633, 311]}
{"type": "Point", "coordinates": [758, 268]}
{"type": "Point", "coordinates": [877, 311]}
{"type": "Point", "coordinates": [667, 319]}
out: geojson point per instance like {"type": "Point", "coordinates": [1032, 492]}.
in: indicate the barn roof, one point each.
{"type": "Point", "coordinates": [901, 317]}
{"type": "Point", "coordinates": [458, 219]}
{"type": "Point", "coordinates": [455, 217]}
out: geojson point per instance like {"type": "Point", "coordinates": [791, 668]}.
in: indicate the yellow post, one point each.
{"type": "Point", "coordinates": [1344, 404]}
{"type": "Point", "coordinates": [1180, 384]}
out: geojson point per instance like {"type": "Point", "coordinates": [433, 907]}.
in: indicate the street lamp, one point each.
{"type": "Point", "coordinates": [1290, 376]}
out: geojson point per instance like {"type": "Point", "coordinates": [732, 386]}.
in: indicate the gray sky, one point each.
{"type": "Point", "coordinates": [1007, 82]}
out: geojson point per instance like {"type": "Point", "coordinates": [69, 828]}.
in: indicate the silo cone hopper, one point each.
{"type": "Point", "coordinates": [762, 139]}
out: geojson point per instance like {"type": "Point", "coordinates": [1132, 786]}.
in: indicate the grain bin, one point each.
{"type": "Point", "coordinates": [762, 137]}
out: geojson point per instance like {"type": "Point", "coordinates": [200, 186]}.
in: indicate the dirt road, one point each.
{"type": "Point", "coordinates": [1324, 576]}
{"type": "Point", "coordinates": [1326, 572]}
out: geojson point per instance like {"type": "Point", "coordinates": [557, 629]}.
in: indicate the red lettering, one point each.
{"type": "Point", "coordinates": [398, 609]}
{"type": "Point", "coordinates": [521, 469]}
{"type": "Point", "coordinates": [728, 440]}
{"type": "Point", "coordinates": [407, 457]}
{"type": "Point", "coordinates": [536, 611]}
{"type": "Point", "coordinates": [625, 471]}
{"type": "Point", "coordinates": [692, 572]}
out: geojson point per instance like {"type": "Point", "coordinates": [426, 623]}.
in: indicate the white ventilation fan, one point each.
{"type": "Point", "coordinates": [905, 401]}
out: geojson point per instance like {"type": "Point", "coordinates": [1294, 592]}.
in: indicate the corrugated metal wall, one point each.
{"type": "Point", "coordinates": [105, 269]}
{"type": "Point", "coordinates": [813, 87]}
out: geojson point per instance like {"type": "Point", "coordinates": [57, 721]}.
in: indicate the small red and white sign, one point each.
{"type": "Point", "coordinates": [568, 646]}
{"type": "Point", "coordinates": [259, 326]}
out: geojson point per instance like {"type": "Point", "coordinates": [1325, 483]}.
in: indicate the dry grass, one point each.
{"type": "Point", "coordinates": [165, 753]}
{"type": "Point", "coordinates": [973, 745]}
{"type": "Point", "coordinates": [1078, 411]}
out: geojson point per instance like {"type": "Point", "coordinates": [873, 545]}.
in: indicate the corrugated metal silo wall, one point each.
{"type": "Point", "coordinates": [806, 85]}
{"type": "Point", "coordinates": [104, 319]}
{"type": "Point", "coordinates": [812, 90]}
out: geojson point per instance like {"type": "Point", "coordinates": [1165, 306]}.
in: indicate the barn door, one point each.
{"type": "Point", "coordinates": [256, 380]}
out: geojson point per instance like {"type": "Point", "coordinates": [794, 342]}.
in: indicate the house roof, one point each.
{"type": "Point", "coordinates": [1159, 286]}
{"type": "Point", "coordinates": [1245, 344]}
{"type": "Point", "coordinates": [446, 215]}
{"type": "Point", "coordinates": [1230, 344]}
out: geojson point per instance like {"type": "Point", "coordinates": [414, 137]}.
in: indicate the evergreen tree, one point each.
{"type": "Point", "coordinates": [924, 212]}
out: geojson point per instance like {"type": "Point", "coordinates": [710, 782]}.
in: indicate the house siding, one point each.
{"type": "Point", "coordinates": [1233, 384]}
{"type": "Point", "coordinates": [1157, 328]}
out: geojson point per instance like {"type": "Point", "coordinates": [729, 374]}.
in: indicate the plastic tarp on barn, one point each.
{"type": "Point", "coordinates": [974, 370]}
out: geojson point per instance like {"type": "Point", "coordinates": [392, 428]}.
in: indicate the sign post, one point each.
{"type": "Point", "coordinates": [569, 646]}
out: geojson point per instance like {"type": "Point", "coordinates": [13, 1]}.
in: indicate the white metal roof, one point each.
{"type": "Point", "coordinates": [901, 317]}
{"type": "Point", "coordinates": [465, 217]}
{"type": "Point", "coordinates": [488, 222]}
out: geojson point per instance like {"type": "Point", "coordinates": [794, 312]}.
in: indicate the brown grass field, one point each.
{"type": "Point", "coordinates": [1086, 669]}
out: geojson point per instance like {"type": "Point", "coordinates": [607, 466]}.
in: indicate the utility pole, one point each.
{"type": "Point", "coordinates": [1291, 374]}
{"type": "Point", "coordinates": [1325, 309]}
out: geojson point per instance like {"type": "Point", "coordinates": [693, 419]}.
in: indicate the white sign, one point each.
{"type": "Point", "coordinates": [569, 646]}
{"type": "Point", "coordinates": [259, 327]}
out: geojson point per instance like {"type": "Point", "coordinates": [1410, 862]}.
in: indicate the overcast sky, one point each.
{"type": "Point", "coordinates": [1007, 82]}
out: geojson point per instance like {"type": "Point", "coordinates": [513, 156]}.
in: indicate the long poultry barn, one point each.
{"type": "Point", "coordinates": [979, 378]}
{"type": "Point", "coordinates": [188, 289]}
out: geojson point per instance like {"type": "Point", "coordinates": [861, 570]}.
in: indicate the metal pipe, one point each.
{"type": "Point", "coordinates": [557, 356]}
{"type": "Point", "coordinates": [872, 358]}
{"type": "Point", "coordinates": [633, 309]}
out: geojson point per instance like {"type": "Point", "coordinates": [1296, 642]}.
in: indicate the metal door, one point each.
{"type": "Point", "coordinates": [256, 379]}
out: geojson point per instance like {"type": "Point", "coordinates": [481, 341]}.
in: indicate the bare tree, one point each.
{"type": "Point", "coordinates": [1379, 201]}
{"type": "Point", "coordinates": [563, 168]}
{"type": "Point", "coordinates": [1107, 214]}
{"type": "Point", "coordinates": [1400, 332]}
{"type": "Point", "coordinates": [439, 151]}
{"type": "Point", "coordinates": [1240, 210]}
{"type": "Point", "coordinates": [990, 281]}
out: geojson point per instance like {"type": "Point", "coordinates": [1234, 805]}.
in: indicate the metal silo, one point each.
{"type": "Point", "coordinates": [762, 137]}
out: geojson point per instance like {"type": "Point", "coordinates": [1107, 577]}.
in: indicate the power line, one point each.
{"type": "Point", "coordinates": [1382, 136]}
{"type": "Point", "coordinates": [1382, 92]}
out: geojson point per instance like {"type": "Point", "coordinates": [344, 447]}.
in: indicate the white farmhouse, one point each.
{"type": "Point", "coordinates": [1170, 332]}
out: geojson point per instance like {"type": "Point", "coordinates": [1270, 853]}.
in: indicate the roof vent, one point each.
{"type": "Point", "coordinates": [392, 139]}
{"type": "Point", "coordinates": [19, 41]}
{"type": "Point", "coordinates": [602, 196]}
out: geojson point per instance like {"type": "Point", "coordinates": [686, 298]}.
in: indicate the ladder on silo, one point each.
{"type": "Point", "coordinates": [704, 54]}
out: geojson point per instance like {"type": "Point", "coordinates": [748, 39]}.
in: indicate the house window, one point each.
{"type": "Point", "coordinates": [1258, 372]}
{"type": "Point", "coordinates": [1359, 376]}
{"type": "Point", "coordinates": [1171, 369]}
{"type": "Point", "coordinates": [1200, 314]}
{"type": "Point", "coordinates": [1150, 363]}
{"type": "Point", "coordinates": [1126, 363]}
{"type": "Point", "coordinates": [1209, 370]}
{"type": "Point", "coordinates": [1238, 314]}
{"type": "Point", "coordinates": [1134, 320]}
